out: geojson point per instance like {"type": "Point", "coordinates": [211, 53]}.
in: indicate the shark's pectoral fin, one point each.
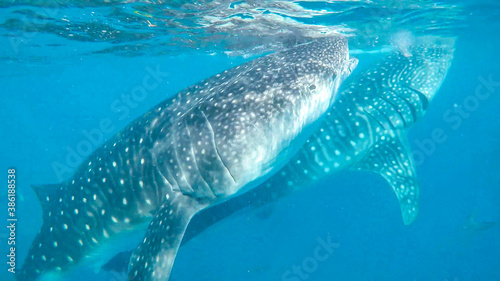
{"type": "Point", "coordinates": [154, 257]}
{"type": "Point", "coordinates": [391, 158]}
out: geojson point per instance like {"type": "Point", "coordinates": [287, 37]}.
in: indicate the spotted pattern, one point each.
{"type": "Point", "coordinates": [204, 144]}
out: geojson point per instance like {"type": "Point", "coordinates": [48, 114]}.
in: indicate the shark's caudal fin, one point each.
{"type": "Point", "coordinates": [391, 157]}
{"type": "Point", "coordinates": [154, 258]}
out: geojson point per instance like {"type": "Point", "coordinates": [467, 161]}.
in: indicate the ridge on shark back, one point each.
{"type": "Point", "coordinates": [364, 130]}
{"type": "Point", "coordinates": [212, 141]}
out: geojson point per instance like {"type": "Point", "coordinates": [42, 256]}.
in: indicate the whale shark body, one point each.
{"type": "Point", "coordinates": [364, 130]}
{"type": "Point", "coordinates": [212, 141]}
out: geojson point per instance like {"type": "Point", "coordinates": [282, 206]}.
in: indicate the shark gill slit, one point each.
{"type": "Point", "coordinates": [178, 160]}
{"type": "Point", "coordinates": [384, 115]}
{"type": "Point", "coordinates": [156, 180]}
{"type": "Point", "coordinates": [395, 106]}
{"type": "Point", "coordinates": [422, 96]}
{"type": "Point", "coordinates": [212, 134]}
{"type": "Point", "coordinates": [167, 175]}
{"type": "Point", "coordinates": [411, 107]}
{"type": "Point", "coordinates": [193, 155]}
{"type": "Point", "coordinates": [170, 180]}
{"type": "Point", "coordinates": [374, 119]}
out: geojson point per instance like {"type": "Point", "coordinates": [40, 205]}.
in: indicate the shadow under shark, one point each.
{"type": "Point", "coordinates": [212, 141]}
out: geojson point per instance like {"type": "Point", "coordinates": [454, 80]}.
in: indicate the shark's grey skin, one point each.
{"type": "Point", "coordinates": [364, 130]}
{"type": "Point", "coordinates": [210, 142]}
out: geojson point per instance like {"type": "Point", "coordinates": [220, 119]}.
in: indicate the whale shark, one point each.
{"type": "Point", "coordinates": [364, 130]}
{"type": "Point", "coordinates": [212, 141]}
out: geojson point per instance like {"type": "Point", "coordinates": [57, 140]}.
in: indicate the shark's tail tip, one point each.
{"type": "Point", "coordinates": [409, 215]}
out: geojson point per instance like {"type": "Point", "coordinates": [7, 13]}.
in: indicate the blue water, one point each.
{"type": "Point", "coordinates": [53, 88]}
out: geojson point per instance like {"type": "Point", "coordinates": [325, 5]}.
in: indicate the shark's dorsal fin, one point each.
{"type": "Point", "coordinates": [46, 194]}
{"type": "Point", "coordinates": [154, 258]}
{"type": "Point", "coordinates": [390, 157]}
